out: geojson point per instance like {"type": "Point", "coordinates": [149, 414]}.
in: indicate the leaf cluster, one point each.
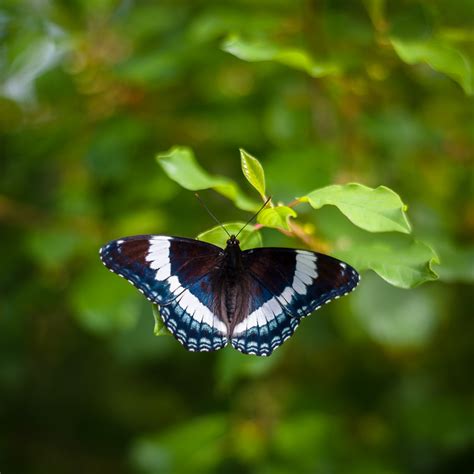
{"type": "Point", "coordinates": [401, 260]}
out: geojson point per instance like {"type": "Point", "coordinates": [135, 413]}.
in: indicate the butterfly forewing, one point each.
{"type": "Point", "coordinates": [192, 319]}
{"type": "Point", "coordinates": [300, 280]}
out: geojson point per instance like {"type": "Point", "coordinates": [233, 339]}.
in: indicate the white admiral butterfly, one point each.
{"type": "Point", "coordinates": [209, 296]}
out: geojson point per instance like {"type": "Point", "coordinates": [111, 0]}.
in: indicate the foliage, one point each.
{"type": "Point", "coordinates": [180, 165]}
{"type": "Point", "coordinates": [335, 107]}
{"type": "Point", "coordinates": [293, 57]}
{"type": "Point", "coordinates": [249, 236]}
{"type": "Point", "coordinates": [401, 262]}
{"type": "Point", "coordinates": [253, 171]}
{"type": "Point", "coordinates": [375, 210]}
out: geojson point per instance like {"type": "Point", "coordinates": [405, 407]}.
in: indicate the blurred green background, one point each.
{"type": "Point", "coordinates": [321, 92]}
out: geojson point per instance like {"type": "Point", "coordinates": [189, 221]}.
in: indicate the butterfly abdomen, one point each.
{"type": "Point", "coordinates": [231, 301]}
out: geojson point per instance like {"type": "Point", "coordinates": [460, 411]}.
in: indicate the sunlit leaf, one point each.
{"type": "Point", "coordinates": [440, 56]}
{"type": "Point", "coordinates": [160, 329]}
{"type": "Point", "coordinates": [41, 54]}
{"type": "Point", "coordinates": [181, 166]}
{"type": "Point", "coordinates": [249, 238]}
{"type": "Point", "coordinates": [399, 260]}
{"type": "Point", "coordinates": [253, 171]}
{"type": "Point", "coordinates": [296, 58]}
{"type": "Point", "coordinates": [375, 210]}
{"type": "Point", "coordinates": [276, 217]}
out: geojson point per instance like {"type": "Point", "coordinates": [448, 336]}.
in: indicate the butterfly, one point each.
{"type": "Point", "coordinates": [209, 296]}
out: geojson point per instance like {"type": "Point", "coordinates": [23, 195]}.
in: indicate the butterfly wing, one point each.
{"type": "Point", "coordinates": [192, 318]}
{"type": "Point", "coordinates": [267, 325]}
{"type": "Point", "coordinates": [286, 285]}
{"type": "Point", "coordinates": [174, 273]}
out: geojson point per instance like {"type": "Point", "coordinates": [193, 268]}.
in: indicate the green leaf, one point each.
{"type": "Point", "coordinates": [296, 58]}
{"type": "Point", "coordinates": [276, 217]}
{"type": "Point", "coordinates": [400, 261]}
{"type": "Point", "coordinates": [249, 238]}
{"type": "Point", "coordinates": [440, 56]}
{"type": "Point", "coordinates": [253, 171]}
{"type": "Point", "coordinates": [160, 329]}
{"type": "Point", "coordinates": [181, 166]}
{"type": "Point", "coordinates": [375, 210]}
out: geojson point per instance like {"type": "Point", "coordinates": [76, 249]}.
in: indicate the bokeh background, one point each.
{"type": "Point", "coordinates": [90, 90]}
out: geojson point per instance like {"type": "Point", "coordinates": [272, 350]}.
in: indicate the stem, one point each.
{"type": "Point", "coordinates": [294, 203]}
{"type": "Point", "coordinates": [312, 242]}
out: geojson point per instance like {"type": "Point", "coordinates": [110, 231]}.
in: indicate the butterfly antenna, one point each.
{"type": "Point", "coordinates": [254, 216]}
{"type": "Point", "coordinates": [203, 204]}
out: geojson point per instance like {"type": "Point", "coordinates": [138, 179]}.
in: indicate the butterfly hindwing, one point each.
{"type": "Point", "coordinates": [267, 325]}
{"type": "Point", "coordinates": [191, 318]}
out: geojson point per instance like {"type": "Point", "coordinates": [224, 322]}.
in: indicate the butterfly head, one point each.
{"type": "Point", "coordinates": [233, 241]}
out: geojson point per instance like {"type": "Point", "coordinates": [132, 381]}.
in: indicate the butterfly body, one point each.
{"type": "Point", "coordinates": [210, 296]}
{"type": "Point", "coordinates": [231, 278]}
